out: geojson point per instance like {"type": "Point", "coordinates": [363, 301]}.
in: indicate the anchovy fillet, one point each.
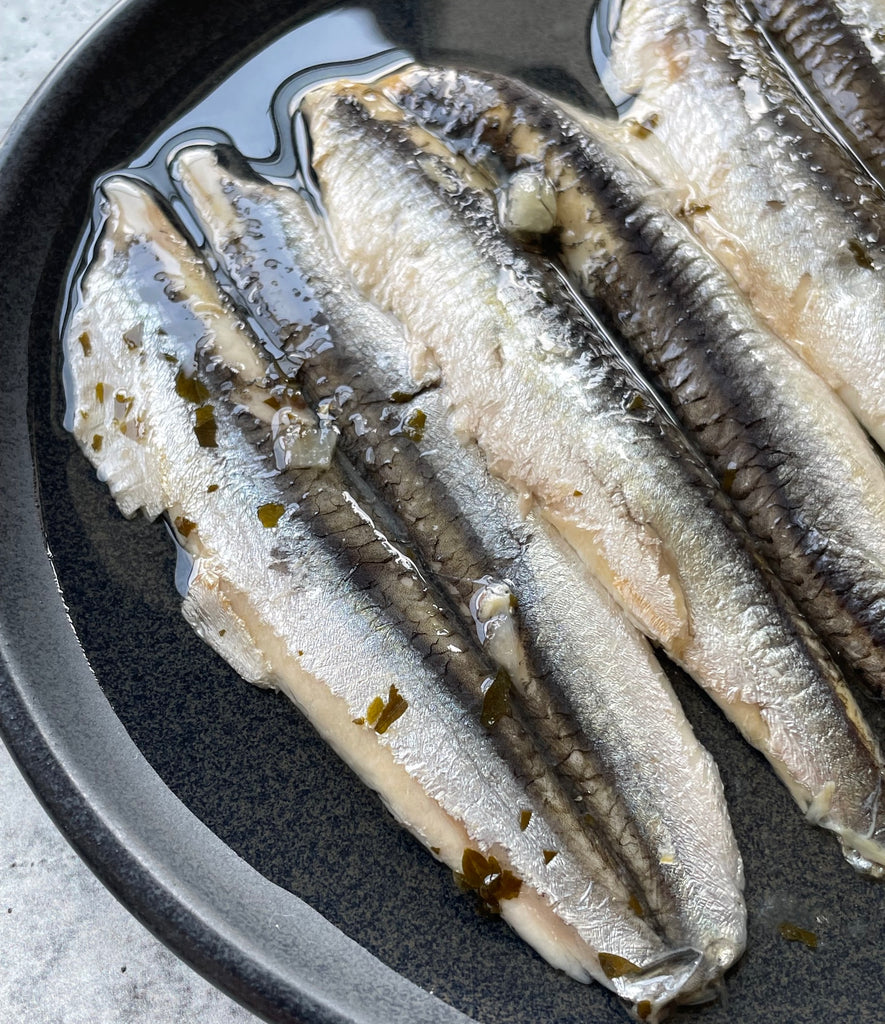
{"type": "Point", "coordinates": [595, 695]}
{"type": "Point", "coordinates": [798, 467]}
{"type": "Point", "coordinates": [556, 416]}
{"type": "Point", "coordinates": [774, 198]}
{"type": "Point", "coordinates": [834, 64]}
{"type": "Point", "coordinates": [297, 583]}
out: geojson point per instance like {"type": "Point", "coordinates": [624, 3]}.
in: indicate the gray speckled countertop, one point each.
{"type": "Point", "coordinates": [70, 953]}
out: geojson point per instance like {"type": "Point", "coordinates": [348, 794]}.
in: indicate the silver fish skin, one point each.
{"type": "Point", "coordinates": [795, 462]}
{"type": "Point", "coordinates": [771, 196]}
{"type": "Point", "coordinates": [271, 594]}
{"type": "Point", "coordinates": [833, 63]}
{"type": "Point", "coordinates": [557, 416]}
{"type": "Point", "coordinates": [596, 695]}
{"type": "Point", "coordinates": [867, 19]}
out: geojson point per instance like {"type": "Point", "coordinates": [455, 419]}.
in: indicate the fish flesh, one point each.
{"type": "Point", "coordinates": [767, 192]}
{"type": "Point", "coordinates": [833, 63]}
{"type": "Point", "coordinates": [594, 694]}
{"type": "Point", "coordinates": [559, 418]}
{"type": "Point", "coordinates": [271, 585]}
{"type": "Point", "coordinates": [799, 469]}
{"type": "Point", "coordinates": [298, 582]}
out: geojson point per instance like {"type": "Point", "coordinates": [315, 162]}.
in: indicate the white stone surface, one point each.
{"type": "Point", "coordinates": [69, 953]}
{"type": "Point", "coordinates": [33, 38]}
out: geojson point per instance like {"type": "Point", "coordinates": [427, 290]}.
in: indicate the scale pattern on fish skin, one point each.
{"type": "Point", "coordinates": [603, 750]}
{"type": "Point", "coordinates": [767, 192]}
{"type": "Point", "coordinates": [793, 459]}
{"type": "Point", "coordinates": [837, 68]}
{"type": "Point", "coordinates": [280, 591]}
{"type": "Point", "coordinates": [339, 510]}
{"type": "Point", "coordinates": [505, 346]}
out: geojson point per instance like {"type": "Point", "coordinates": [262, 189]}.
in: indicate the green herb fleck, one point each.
{"type": "Point", "coordinates": [99, 391]}
{"type": "Point", "coordinates": [486, 877]}
{"type": "Point", "coordinates": [205, 427]}
{"type": "Point", "coordinates": [549, 855]}
{"type": "Point", "coordinates": [414, 426]}
{"type": "Point", "coordinates": [382, 715]}
{"type": "Point", "coordinates": [694, 209]}
{"type": "Point", "coordinates": [401, 396]}
{"type": "Point", "coordinates": [86, 343]}
{"type": "Point", "coordinates": [793, 933]}
{"type": "Point", "coordinates": [97, 442]}
{"type": "Point", "coordinates": [189, 388]}
{"type": "Point", "coordinates": [728, 478]}
{"type": "Point", "coordinates": [184, 526]}
{"type": "Point", "coordinates": [861, 257]}
{"type": "Point", "coordinates": [496, 700]}
{"type": "Point", "coordinates": [615, 966]}
{"type": "Point", "coordinates": [643, 1009]}
{"type": "Point", "coordinates": [270, 514]}
{"type": "Point", "coordinates": [642, 129]}
{"type": "Point", "coordinates": [524, 818]}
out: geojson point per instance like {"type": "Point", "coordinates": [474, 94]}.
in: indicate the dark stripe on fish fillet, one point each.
{"type": "Point", "coordinates": [537, 284]}
{"type": "Point", "coordinates": [745, 51]}
{"type": "Point", "coordinates": [663, 296]}
{"type": "Point", "coordinates": [378, 446]}
{"type": "Point", "coordinates": [406, 600]}
{"type": "Point", "coordinates": [834, 63]}
{"type": "Point", "coordinates": [678, 318]}
{"type": "Point", "coordinates": [407, 476]}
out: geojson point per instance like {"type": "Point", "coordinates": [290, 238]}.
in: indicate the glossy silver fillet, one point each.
{"type": "Point", "coordinates": [557, 416]}
{"type": "Point", "coordinates": [794, 460]}
{"type": "Point", "coordinates": [596, 697]}
{"type": "Point", "coordinates": [774, 198]}
{"type": "Point", "coordinates": [836, 69]}
{"type": "Point", "coordinates": [297, 584]}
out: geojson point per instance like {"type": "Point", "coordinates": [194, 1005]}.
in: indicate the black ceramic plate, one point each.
{"type": "Point", "coordinates": [208, 807]}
